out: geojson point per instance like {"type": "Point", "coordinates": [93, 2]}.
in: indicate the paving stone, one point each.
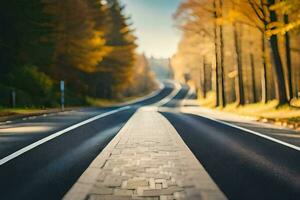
{"type": "Point", "coordinates": [135, 183]}
{"type": "Point", "coordinates": [108, 197]}
{"type": "Point", "coordinates": [145, 198]}
{"type": "Point", "coordinates": [163, 183]}
{"type": "Point", "coordinates": [166, 197]}
{"type": "Point", "coordinates": [146, 160]}
{"type": "Point", "coordinates": [109, 182]}
{"type": "Point", "coordinates": [156, 176]}
{"type": "Point", "coordinates": [158, 186]}
{"type": "Point", "coordinates": [123, 192]}
{"type": "Point", "coordinates": [101, 190]}
{"type": "Point", "coordinates": [159, 192]}
{"type": "Point", "coordinates": [186, 183]}
{"type": "Point", "coordinates": [171, 182]}
{"type": "Point", "coordinates": [180, 195]}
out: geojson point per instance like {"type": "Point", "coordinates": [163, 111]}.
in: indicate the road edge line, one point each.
{"type": "Point", "coordinates": [252, 132]}
{"type": "Point", "coordinates": [167, 99]}
{"type": "Point", "coordinates": [56, 134]}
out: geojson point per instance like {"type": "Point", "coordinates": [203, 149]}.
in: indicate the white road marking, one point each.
{"type": "Point", "coordinates": [170, 96]}
{"type": "Point", "coordinates": [256, 133]}
{"type": "Point", "coordinates": [54, 135]}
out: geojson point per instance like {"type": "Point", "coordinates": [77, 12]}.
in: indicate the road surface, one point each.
{"type": "Point", "coordinates": [242, 164]}
{"type": "Point", "coordinates": [49, 170]}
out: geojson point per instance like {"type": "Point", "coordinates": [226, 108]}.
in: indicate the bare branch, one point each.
{"type": "Point", "coordinates": [256, 12]}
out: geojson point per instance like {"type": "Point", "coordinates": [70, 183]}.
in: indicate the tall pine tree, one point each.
{"type": "Point", "coordinates": [119, 37]}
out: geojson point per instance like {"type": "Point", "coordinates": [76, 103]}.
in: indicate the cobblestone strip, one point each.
{"type": "Point", "coordinates": [146, 160]}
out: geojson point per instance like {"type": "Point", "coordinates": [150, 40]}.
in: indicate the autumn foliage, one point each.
{"type": "Point", "coordinates": [244, 51]}
{"type": "Point", "coordinates": [87, 43]}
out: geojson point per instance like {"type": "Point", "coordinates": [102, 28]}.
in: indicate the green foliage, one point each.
{"type": "Point", "coordinates": [35, 83]}
{"type": "Point", "coordinates": [22, 36]}
{"type": "Point", "coordinates": [121, 59]}
{"type": "Point", "coordinates": [86, 43]}
{"type": "Point", "coordinates": [22, 98]}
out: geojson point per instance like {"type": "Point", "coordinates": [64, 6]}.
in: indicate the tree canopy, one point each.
{"type": "Point", "coordinates": [89, 44]}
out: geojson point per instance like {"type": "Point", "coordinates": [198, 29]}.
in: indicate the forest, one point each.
{"type": "Point", "coordinates": [240, 51]}
{"type": "Point", "coordinates": [87, 43]}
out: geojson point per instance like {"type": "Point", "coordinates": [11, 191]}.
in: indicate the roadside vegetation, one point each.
{"type": "Point", "coordinates": [288, 116]}
{"type": "Point", "coordinates": [17, 111]}
{"type": "Point", "coordinates": [89, 44]}
{"type": "Point", "coordinates": [242, 56]}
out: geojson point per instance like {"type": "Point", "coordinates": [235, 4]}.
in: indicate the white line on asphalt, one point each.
{"type": "Point", "coordinates": [54, 135]}
{"type": "Point", "coordinates": [256, 133]}
{"type": "Point", "coordinates": [170, 96]}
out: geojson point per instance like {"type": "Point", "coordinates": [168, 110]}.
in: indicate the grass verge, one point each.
{"type": "Point", "coordinates": [288, 116]}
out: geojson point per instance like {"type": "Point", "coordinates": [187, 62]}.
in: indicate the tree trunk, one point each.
{"type": "Point", "coordinates": [280, 81]}
{"type": "Point", "coordinates": [253, 78]}
{"type": "Point", "coordinates": [297, 81]}
{"type": "Point", "coordinates": [222, 75]}
{"type": "Point", "coordinates": [240, 94]}
{"type": "Point", "coordinates": [278, 68]}
{"type": "Point", "coordinates": [288, 59]}
{"type": "Point", "coordinates": [216, 54]}
{"type": "Point", "coordinates": [264, 87]}
{"type": "Point", "coordinates": [203, 79]}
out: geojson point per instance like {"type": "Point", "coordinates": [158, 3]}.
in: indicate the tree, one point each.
{"type": "Point", "coordinates": [191, 16]}
{"type": "Point", "coordinates": [288, 59]}
{"type": "Point", "coordinates": [240, 97]}
{"type": "Point", "coordinates": [119, 37]}
{"type": "Point", "coordinates": [79, 42]}
{"type": "Point", "coordinates": [265, 18]}
{"type": "Point", "coordinates": [218, 101]}
{"type": "Point", "coordinates": [283, 7]}
{"type": "Point", "coordinates": [24, 52]}
{"type": "Point", "coordinates": [251, 13]}
{"type": "Point", "coordinates": [222, 74]}
{"type": "Point", "coordinates": [86, 43]}
{"type": "Point", "coordinates": [24, 28]}
{"type": "Point", "coordinates": [278, 67]}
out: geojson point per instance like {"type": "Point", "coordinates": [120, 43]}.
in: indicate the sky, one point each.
{"type": "Point", "coordinates": [154, 26]}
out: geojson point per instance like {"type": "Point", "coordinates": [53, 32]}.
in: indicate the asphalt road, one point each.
{"type": "Point", "coordinates": [50, 169]}
{"type": "Point", "coordinates": [20, 133]}
{"type": "Point", "coordinates": [175, 102]}
{"type": "Point", "coordinates": [243, 165]}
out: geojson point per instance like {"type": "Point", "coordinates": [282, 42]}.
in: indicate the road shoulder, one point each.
{"type": "Point", "coordinates": [250, 123]}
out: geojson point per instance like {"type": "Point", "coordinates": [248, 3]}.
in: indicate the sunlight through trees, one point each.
{"type": "Point", "coordinates": [250, 47]}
